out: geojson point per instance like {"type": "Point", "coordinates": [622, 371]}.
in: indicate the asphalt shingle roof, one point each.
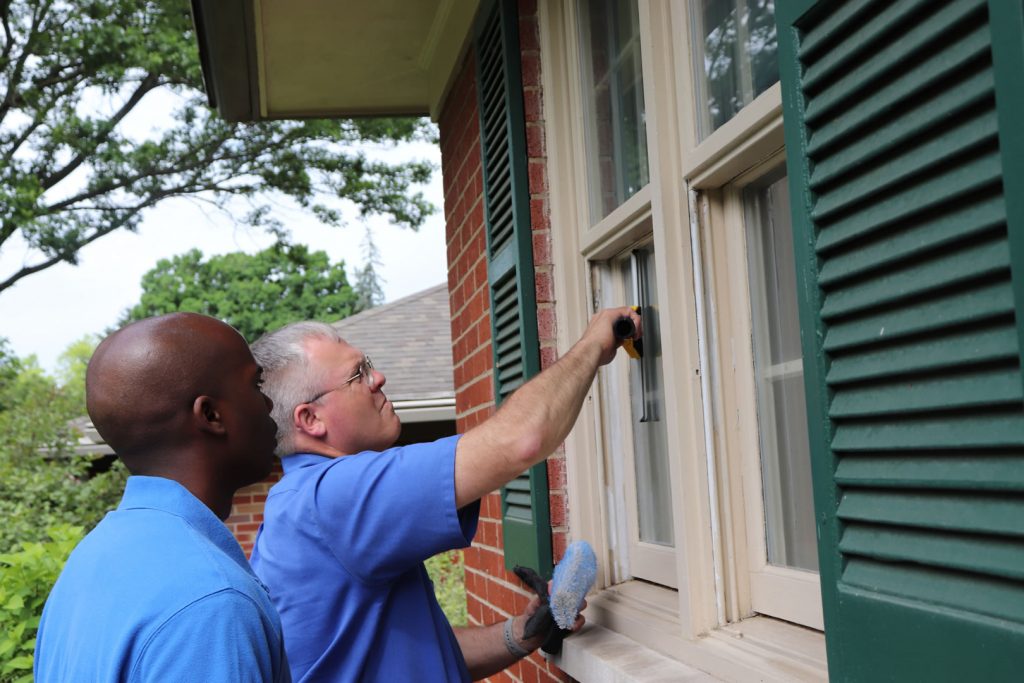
{"type": "Point", "coordinates": [409, 341]}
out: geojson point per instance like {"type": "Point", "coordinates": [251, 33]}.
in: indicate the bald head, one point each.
{"type": "Point", "coordinates": [143, 380]}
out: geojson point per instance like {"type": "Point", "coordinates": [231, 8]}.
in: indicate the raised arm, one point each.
{"type": "Point", "coordinates": [538, 416]}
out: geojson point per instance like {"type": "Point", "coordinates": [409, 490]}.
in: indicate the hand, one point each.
{"type": "Point", "coordinates": [599, 331]}
{"type": "Point", "coordinates": [519, 625]}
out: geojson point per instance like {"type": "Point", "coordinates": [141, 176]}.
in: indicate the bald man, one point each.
{"type": "Point", "coordinates": [160, 590]}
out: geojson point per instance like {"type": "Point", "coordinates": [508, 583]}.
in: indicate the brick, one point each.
{"type": "Point", "coordinates": [532, 107]}
{"type": "Point", "coordinates": [556, 473]}
{"type": "Point", "coordinates": [544, 287]}
{"type": "Point", "coordinates": [530, 64]}
{"type": "Point", "coordinates": [558, 510]}
{"type": "Point", "coordinates": [542, 248]}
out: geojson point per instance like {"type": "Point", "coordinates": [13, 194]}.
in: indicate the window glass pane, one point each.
{"type": "Point", "coordinates": [782, 409]}
{"type": "Point", "coordinates": [613, 96]}
{"type": "Point", "coordinates": [647, 401]}
{"type": "Point", "coordinates": [736, 60]}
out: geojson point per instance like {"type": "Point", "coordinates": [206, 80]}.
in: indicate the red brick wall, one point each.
{"type": "Point", "coordinates": [247, 509]}
{"type": "Point", "coordinates": [493, 594]}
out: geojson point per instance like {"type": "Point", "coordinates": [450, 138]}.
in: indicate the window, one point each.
{"type": "Point", "coordinates": [778, 374]}
{"type": "Point", "coordinates": [637, 454]}
{"type": "Point", "coordinates": [734, 56]}
{"type": "Point", "coordinates": [613, 86]}
{"type": "Point", "coordinates": [689, 471]}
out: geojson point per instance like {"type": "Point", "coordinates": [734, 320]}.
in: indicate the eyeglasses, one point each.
{"type": "Point", "coordinates": [363, 374]}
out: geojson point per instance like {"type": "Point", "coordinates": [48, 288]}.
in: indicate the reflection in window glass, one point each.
{"type": "Point", "coordinates": [647, 400]}
{"type": "Point", "coordinates": [781, 405]}
{"type": "Point", "coordinates": [615, 127]}
{"type": "Point", "coordinates": [736, 59]}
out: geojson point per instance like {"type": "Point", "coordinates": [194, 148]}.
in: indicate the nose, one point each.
{"type": "Point", "coordinates": [379, 380]}
{"type": "Point", "coordinates": [269, 402]}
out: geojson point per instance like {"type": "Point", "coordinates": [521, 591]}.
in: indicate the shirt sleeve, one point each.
{"type": "Point", "coordinates": [222, 637]}
{"type": "Point", "coordinates": [384, 513]}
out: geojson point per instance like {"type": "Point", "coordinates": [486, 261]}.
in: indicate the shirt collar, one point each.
{"type": "Point", "coordinates": [290, 463]}
{"type": "Point", "coordinates": [167, 495]}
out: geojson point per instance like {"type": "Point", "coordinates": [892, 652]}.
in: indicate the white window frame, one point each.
{"type": "Point", "coordinates": [712, 570]}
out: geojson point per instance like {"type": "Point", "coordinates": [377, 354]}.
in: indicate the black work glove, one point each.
{"type": "Point", "coordinates": [541, 622]}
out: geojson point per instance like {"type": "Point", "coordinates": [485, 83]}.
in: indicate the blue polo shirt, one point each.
{"type": "Point", "coordinates": [159, 591]}
{"type": "Point", "coordinates": [341, 549]}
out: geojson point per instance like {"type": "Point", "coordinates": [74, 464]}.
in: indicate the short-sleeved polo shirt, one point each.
{"type": "Point", "coordinates": [159, 591]}
{"type": "Point", "coordinates": [341, 549]}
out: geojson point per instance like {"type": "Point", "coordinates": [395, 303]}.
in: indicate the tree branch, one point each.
{"type": "Point", "coordinates": [9, 97]}
{"type": "Point", "coordinates": [148, 83]}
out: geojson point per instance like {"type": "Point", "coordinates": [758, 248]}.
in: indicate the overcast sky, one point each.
{"type": "Point", "coordinates": [45, 312]}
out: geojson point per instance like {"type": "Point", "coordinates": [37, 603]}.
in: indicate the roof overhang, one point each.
{"type": "Point", "coordinates": [282, 59]}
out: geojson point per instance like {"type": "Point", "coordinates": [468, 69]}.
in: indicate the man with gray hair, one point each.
{"type": "Point", "coordinates": [347, 528]}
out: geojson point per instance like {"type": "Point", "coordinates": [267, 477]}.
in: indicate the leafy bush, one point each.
{"type": "Point", "coordinates": [26, 577]}
{"type": "Point", "coordinates": [448, 573]}
{"type": "Point", "coordinates": [42, 483]}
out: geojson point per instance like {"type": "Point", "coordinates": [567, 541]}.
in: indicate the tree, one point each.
{"type": "Point", "coordinates": [252, 292]}
{"type": "Point", "coordinates": [42, 481]}
{"type": "Point", "coordinates": [75, 75]}
{"type": "Point", "coordinates": [369, 285]}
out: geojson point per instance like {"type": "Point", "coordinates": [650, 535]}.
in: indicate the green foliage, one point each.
{"type": "Point", "coordinates": [74, 77]}
{"type": "Point", "coordinates": [42, 483]}
{"type": "Point", "coordinates": [254, 293]}
{"type": "Point", "coordinates": [26, 577]}
{"type": "Point", "coordinates": [448, 573]}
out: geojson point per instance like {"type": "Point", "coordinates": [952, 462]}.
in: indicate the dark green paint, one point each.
{"type": "Point", "coordinates": [906, 174]}
{"type": "Point", "coordinates": [526, 522]}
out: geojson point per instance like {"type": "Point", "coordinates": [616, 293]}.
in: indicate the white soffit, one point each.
{"type": "Point", "coordinates": [353, 57]}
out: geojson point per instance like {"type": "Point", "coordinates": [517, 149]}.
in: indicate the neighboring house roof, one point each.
{"type": "Point", "coordinates": [89, 442]}
{"type": "Point", "coordinates": [409, 340]}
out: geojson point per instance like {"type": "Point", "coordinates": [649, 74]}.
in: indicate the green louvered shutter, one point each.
{"type": "Point", "coordinates": [524, 502]}
{"type": "Point", "coordinates": [903, 129]}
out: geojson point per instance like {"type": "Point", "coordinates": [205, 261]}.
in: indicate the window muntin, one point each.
{"type": "Point", "coordinates": [735, 57]}
{"type": "Point", "coordinates": [613, 101]}
{"type": "Point", "coordinates": [778, 375]}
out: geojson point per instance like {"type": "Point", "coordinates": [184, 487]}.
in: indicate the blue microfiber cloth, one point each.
{"type": "Point", "coordinates": [574, 576]}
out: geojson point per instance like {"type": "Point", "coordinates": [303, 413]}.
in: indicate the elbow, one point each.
{"type": "Point", "coordinates": [526, 450]}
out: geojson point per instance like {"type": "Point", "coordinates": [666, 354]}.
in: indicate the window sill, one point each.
{"type": "Point", "coordinates": [756, 649]}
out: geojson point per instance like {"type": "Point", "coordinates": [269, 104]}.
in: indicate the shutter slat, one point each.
{"type": "Point", "coordinates": [898, 169]}
{"type": "Point", "coordinates": [921, 119]}
{"type": "Point", "coordinates": [969, 471]}
{"type": "Point", "coordinates": [997, 557]}
{"type": "Point", "coordinates": [978, 389]}
{"type": "Point", "coordinates": [944, 188]}
{"type": "Point", "coordinates": [852, 80]}
{"type": "Point", "coordinates": [927, 355]}
{"type": "Point", "coordinates": [916, 240]}
{"type": "Point", "coordinates": [872, 38]}
{"type": "Point", "coordinates": [979, 513]}
{"type": "Point", "coordinates": [972, 593]}
{"type": "Point", "coordinates": [836, 25]}
{"type": "Point", "coordinates": [990, 258]}
{"type": "Point", "coordinates": [954, 309]}
{"type": "Point", "coordinates": [988, 430]}
{"type": "Point", "coordinates": [915, 84]}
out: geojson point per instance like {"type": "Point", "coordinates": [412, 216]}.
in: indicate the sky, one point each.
{"type": "Point", "coordinates": [45, 312]}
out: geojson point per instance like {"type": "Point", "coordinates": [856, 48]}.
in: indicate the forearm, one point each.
{"type": "Point", "coordinates": [484, 647]}
{"type": "Point", "coordinates": [529, 426]}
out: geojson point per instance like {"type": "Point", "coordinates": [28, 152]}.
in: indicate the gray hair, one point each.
{"type": "Point", "coordinates": [288, 378]}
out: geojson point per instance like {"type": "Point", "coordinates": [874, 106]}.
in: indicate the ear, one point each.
{"type": "Point", "coordinates": [206, 416]}
{"type": "Point", "coordinates": [306, 421]}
